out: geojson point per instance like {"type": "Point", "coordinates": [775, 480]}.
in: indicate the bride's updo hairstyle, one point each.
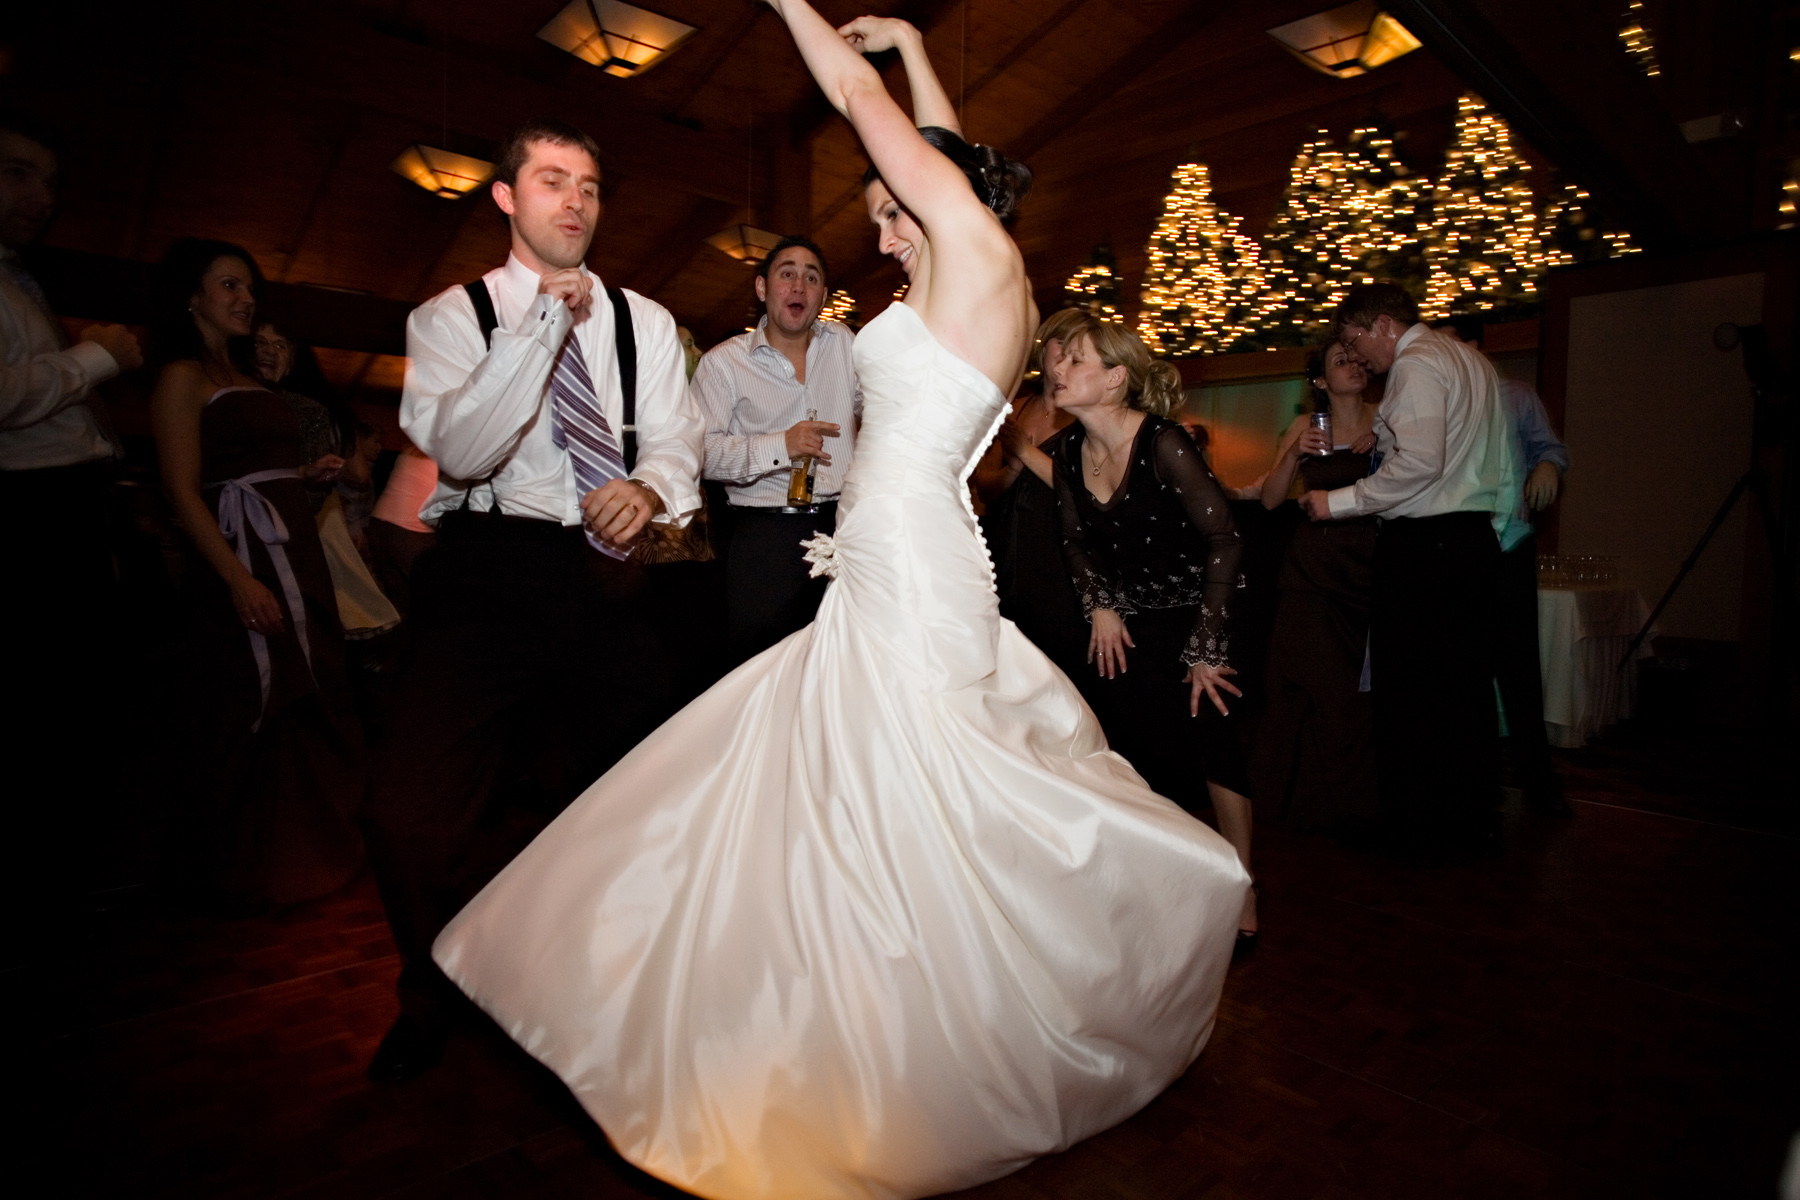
{"type": "Point", "coordinates": [1000, 182]}
{"type": "Point", "coordinates": [1151, 384]}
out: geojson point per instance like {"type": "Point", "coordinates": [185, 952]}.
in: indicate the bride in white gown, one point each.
{"type": "Point", "coordinates": [879, 915]}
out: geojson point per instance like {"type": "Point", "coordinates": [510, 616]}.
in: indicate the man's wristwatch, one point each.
{"type": "Point", "coordinates": [656, 503]}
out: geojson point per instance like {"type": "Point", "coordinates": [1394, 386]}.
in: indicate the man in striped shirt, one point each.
{"type": "Point", "coordinates": [771, 398]}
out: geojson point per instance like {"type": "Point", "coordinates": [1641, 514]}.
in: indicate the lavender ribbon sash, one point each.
{"type": "Point", "coordinates": [245, 512]}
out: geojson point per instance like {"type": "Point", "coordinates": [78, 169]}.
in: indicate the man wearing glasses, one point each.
{"type": "Point", "coordinates": [1444, 492]}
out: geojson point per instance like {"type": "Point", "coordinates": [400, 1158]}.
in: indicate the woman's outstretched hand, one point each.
{"type": "Point", "coordinates": [1108, 641]}
{"type": "Point", "coordinates": [872, 35]}
{"type": "Point", "coordinates": [1211, 681]}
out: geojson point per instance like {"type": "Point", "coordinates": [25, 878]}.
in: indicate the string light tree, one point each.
{"type": "Point", "coordinates": [1203, 286]}
{"type": "Point", "coordinates": [1482, 248]}
{"type": "Point", "coordinates": [1307, 267]}
{"type": "Point", "coordinates": [1389, 209]}
{"type": "Point", "coordinates": [1569, 231]}
{"type": "Point", "coordinates": [1095, 287]}
{"type": "Point", "coordinates": [841, 306]}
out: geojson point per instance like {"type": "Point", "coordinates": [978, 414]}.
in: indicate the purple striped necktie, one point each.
{"type": "Point", "coordinates": [579, 426]}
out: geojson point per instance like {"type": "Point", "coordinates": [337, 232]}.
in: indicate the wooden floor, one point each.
{"type": "Point", "coordinates": [1606, 1010]}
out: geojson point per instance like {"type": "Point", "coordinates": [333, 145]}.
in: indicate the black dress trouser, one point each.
{"type": "Point", "coordinates": [769, 589]}
{"type": "Point", "coordinates": [531, 671]}
{"type": "Point", "coordinates": [1433, 634]}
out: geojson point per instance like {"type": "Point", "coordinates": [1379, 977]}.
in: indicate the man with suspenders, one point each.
{"type": "Point", "coordinates": [557, 411]}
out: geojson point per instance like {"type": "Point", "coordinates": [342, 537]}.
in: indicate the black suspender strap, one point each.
{"type": "Point", "coordinates": [625, 341]}
{"type": "Point", "coordinates": [484, 309]}
{"type": "Point", "coordinates": [625, 338]}
{"type": "Point", "coordinates": [489, 321]}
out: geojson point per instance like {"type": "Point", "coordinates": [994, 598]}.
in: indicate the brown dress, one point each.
{"type": "Point", "coordinates": [280, 778]}
{"type": "Point", "coordinates": [1314, 762]}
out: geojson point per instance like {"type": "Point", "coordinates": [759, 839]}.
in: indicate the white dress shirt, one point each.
{"type": "Point", "coordinates": [46, 419]}
{"type": "Point", "coordinates": [748, 393]}
{"type": "Point", "coordinates": [1445, 442]}
{"type": "Point", "coordinates": [481, 412]}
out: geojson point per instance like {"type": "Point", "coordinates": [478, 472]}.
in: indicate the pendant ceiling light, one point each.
{"type": "Point", "coordinates": [1348, 41]}
{"type": "Point", "coordinates": [621, 39]}
{"type": "Point", "coordinates": [746, 243]}
{"type": "Point", "coordinates": [442, 172]}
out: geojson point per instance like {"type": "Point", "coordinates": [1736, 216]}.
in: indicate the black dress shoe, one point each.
{"type": "Point", "coordinates": [409, 1049]}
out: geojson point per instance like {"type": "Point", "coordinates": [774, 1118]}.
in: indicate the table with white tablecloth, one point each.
{"type": "Point", "coordinates": [1583, 630]}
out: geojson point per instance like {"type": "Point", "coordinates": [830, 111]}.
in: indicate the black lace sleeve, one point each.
{"type": "Point", "coordinates": [1180, 465]}
{"type": "Point", "coordinates": [1086, 569]}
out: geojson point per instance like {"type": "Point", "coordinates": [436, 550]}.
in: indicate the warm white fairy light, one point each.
{"type": "Point", "coordinates": [1390, 210]}
{"type": "Point", "coordinates": [1307, 256]}
{"type": "Point", "coordinates": [1095, 287]}
{"type": "Point", "coordinates": [1474, 241]}
{"type": "Point", "coordinates": [1570, 235]}
{"type": "Point", "coordinates": [1635, 36]}
{"type": "Point", "coordinates": [1483, 244]}
{"type": "Point", "coordinates": [840, 307]}
{"type": "Point", "coordinates": [1203, 285]}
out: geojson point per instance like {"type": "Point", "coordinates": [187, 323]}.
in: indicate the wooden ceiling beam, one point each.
{"type": "Point", "coordinates": [320, 54]}
{"type": "Point", "coordinates": [1020, 48]}
{"type": "Point", "coordinates": [1121, 71]}
{"type": "Point", "coordinates": [679, 248]}
{"type": "Point", "coordinates": [732, 41]}
{"type": "Point", "coordinates": [1162, 41]}
{"type": "Point", "coordinates": [812, 115]}
{"type": "Point", "coordinates": [1577, 99]}
{"type": "Point", "coordinates": [289, 249]}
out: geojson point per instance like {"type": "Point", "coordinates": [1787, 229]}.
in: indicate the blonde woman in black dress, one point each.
{"type": "Point", "coordinates": [1150, 544]}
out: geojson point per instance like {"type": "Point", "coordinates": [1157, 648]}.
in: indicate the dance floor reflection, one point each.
{"type": "Point", "coordinates": [1604, 1010]}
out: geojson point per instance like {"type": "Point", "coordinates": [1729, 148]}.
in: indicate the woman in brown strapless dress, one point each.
{"type": "Point", "coordinates": [1314, 762]}
{"type": "Point", "coordinates": [274, 778]}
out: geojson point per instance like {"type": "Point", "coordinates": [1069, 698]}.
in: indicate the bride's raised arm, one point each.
{"type": "Point", "coordinates": [931, 187]}
{"type": "Point", "coordinates": [872, 35]}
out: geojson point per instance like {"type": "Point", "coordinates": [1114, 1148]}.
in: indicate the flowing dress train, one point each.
{"type": "Point", "coordinates": [879, 915]}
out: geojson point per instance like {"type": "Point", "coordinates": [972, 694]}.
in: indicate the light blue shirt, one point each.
{"type": "Point", "coordinates": [1535, 442]}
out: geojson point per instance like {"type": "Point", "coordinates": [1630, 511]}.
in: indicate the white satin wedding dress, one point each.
{"type": "Point", "coordinates": [879, 915]}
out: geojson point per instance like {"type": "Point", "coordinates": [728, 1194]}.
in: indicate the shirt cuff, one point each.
{"type": "Point", "coordinates": [96, 364]}
{"type": "Point", "coordinates": [678, 504]}
{"type": "Point", "coordinates": [768, 452]}
{"type": "Point", "coordinates": [1341, 502]}
{"type": "Point", "coordinates": [547, 322]}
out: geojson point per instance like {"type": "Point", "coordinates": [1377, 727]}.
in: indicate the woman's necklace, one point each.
{"type": "Point", "coordinates": [1106, 455]}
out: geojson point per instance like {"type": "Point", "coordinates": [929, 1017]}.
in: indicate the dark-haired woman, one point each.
{"type": "Point", "coordinates": [1150, 544]}
{"type": "Point", "coordinates": [342, 451]}
{"type": "Point", "coordinates": [1015, 481]}
{"type": "Point", "coordinates": [275, 812]}
{"type": "Point", "coordinates": [878, 915]}
{"type": "Point", "coordinates": [1315, 757]}
{"type": "Point", "coordinates": [290, 369]}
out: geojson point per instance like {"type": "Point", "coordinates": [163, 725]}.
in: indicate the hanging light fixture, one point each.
{"type": "Point", "coordinates": [621, 39]}
{"type": "Point", "coordinates": [1348, 41]}
{"type": "Point", "coordinates": [744, 241]}
{"type": "Point", "coordinates": [442, 172]}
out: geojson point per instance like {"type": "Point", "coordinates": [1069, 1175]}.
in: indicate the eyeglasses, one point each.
{"type": "Point", "coordinates": [1351, 344]}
